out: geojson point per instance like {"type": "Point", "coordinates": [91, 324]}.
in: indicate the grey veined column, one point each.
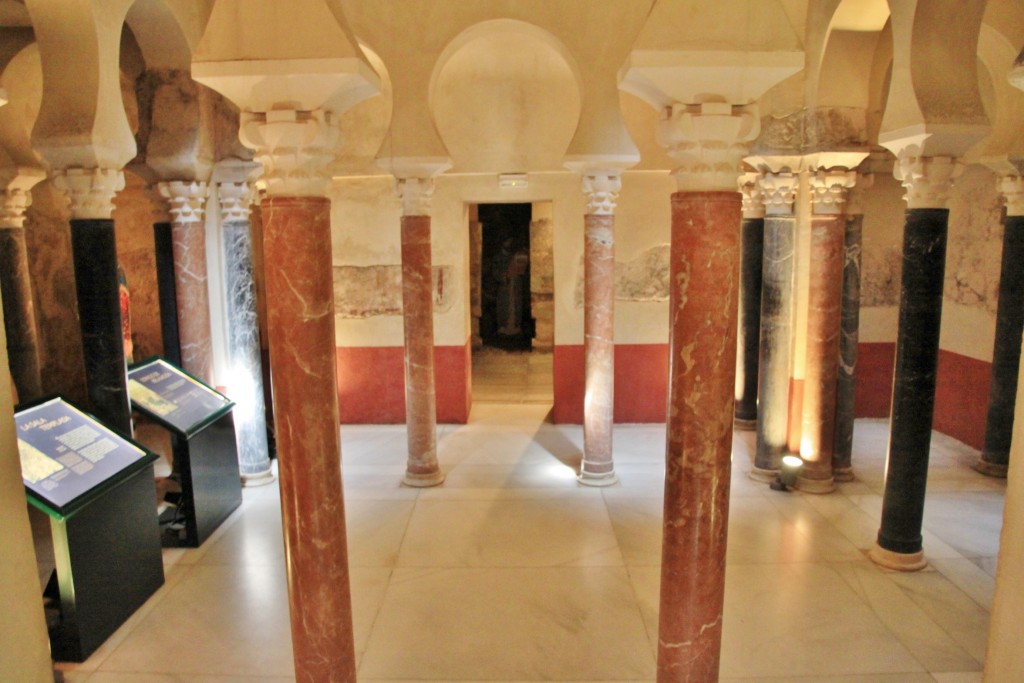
{"type": "Point", "coordinates": [246, 373]}
{"type": "Point", "coordinates": [779, 191]}
{"type": "Point", "coordinates": [849, 333]}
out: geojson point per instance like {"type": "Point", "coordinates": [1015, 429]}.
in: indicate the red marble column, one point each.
{"type": "Point", "coordinates": [300, 316]}
{"type": "Point", "coordinates": [422, 468]}
{"type": "Point", "coordinates": [188, 234]}
{"type": "Point", "coordinates": [597, 468]}
{"type": "Point", "coordinates": [821, 370]}
{"type": "Point", "coordinates": [703, 317]}
{"type": "Point", "coordinates": [818, 423]}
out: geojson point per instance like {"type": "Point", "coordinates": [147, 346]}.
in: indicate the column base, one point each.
{"type": "Point", "coordinates": [843, 474]}
{"type": "Point", "coordinates": [990, 469]}
{"type": "Point", "coordinates": [902, 562]}
{"type": "Point", "coordinates": [815, 485]}
{"type": "Point", "coordinates": [602, 479]}
{"type": "Point", "coordinates": [422, 481]}
{"type": "Point", "coordinates": [762, 475]}
{"type": "Point", "coordinates": [259, 478]}
{"type": "Point", "coordinates": [742, 424]}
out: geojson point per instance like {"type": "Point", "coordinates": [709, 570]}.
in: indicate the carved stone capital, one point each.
{"type": "Point", "coordinates": [90, 191]}
{"type": "Point", "coordinates": [235, 200]}
{"type": "Point", "coordinates": [186, 200]}
{"type": "Point", "coordinates": [708, 141]}
{"type": "Point", "coordinates": [16, 195]}
{"type": "Point", "coordinates": [779, 192]}
{"type": "Point", "coordinates": [417, 195]}
{"type": "Point", "coordinates": [753, 197]}
{"type": "Point", "coordinates": [602, 191]}
{"type": "Point", "coordinates": [1012, 189]}
{"type": "Point", "coordinates": [295, 148]}
{"type": "Point", "coordinates": [928, 180]}
{"type": "Point", "coordinates": [829, 190]}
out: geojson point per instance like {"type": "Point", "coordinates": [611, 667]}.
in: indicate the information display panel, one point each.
{"type": "Point", "coordinates": [173, 397]}
{"type": "Point", "coordinates": [68, 456]}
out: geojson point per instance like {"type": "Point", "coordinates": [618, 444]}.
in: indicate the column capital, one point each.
{"type": "Point", "coordinates": [1012, 190]}
{"type": "Point", "coordinates": [928, 180]}
{"type": "Point", "coordinates": [417, 195]}
{"type": "Point", "coordinates": [295, 148]}
{"type": "Point", "coordinates": [753, 196]}
{"type": "Point", "coordinates": [186, 199]}
{"type": "Point", "coordinates": [829, 189]}
{"type": "Point", "coordinates": [602, 191]}
{"type": "Point", "coordinates": [90, 191]}
{"type": "Point", "coordinates": [779, 192]}
{"type": "Point", "coordinates": [16, 195]}
{"type": "Point", "coordinates": [236, 188]}
{"type": "Point", "coordinates": [708, 141]}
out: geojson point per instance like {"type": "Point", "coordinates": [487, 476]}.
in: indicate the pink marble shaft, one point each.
{"type": "Point", "coordinates": [193, 298]}
{"type": "Point", "coordinates": [702, 370]}
{"type": "Point", "coordinates": [599, 343]}
{"type": "Point", "coordinates": [822, 366]}
{"type": "Point", "coordinates": [418, 318]}
{"type": "Point", "coordinates": [300, 321]}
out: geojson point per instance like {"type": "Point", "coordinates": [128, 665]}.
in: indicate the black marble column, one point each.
{"type": "Point", "coordinates": [751, 256]}
{"type": "Point", "coordinates": [19, 314]}
{"type": "Point", "coordinates": [1002, 394]}
{"type": "Point", "coordinates": [913, 392]}
{"type": "Point", "coordinates": [849, 330]}
{"type": "Point", "coordinates": [774, 347]}
{"type": "Point", "coordinates": [167, 292]}
{"type": "Point", "coordinates": [99, 316]}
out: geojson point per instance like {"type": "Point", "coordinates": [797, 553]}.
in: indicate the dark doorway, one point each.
{"type": "Point", "coordinates": [506, 321]}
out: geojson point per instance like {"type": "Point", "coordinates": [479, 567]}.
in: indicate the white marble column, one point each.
{"type": "Point", "coordinates": [245, 373]}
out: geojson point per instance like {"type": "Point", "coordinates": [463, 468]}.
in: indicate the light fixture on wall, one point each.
{"type": "Point", "coordinates": [513, 181]}
{"type": "Point", "coordinates": [788, 472]}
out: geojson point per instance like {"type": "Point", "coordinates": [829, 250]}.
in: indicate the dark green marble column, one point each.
{"type": "Point", "coordinates": [1002, 397]}
{"type": "Point", "coordinates": [913, 394]}
{"type": "Point", "coordinates": [751, 256]}
{"type": "Point", "coordinates": [99, 314]}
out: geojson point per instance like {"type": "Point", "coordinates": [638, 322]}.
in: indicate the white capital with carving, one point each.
{"type": "Point", "coordinates": [602, 191]}
{"type": "Point", "coordinates": [779, 192]}
{"type": "Point", "coordinates": [928, 180]}
{"type": "Point", "coordinates": [186, 200]}
{"type": "Point", "coordinates": [829, 190]}
{"type": "Point", "coordinates": [1012, 189]}
{"type": "Point", "coordinates": [753, 197]}
{"type": "Point", "coordinates": [16, 196]}
{"type": "Point", "coordinates": [90, 191]}
{"type": "Point", "coordinates": [295, 148]}
{"type": "Point", "coordinates": [235, 200]}
{"type": "Point", "coordinates": [417, 195]}
{"type": "Point", "coordinates": [708, 141]}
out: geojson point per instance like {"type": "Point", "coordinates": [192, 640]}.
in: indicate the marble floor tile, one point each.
{"type": "Point", "coordinates": [509, 533]}
{"type": "Point", "coordinates": [375, 530]}
{"type": "Point", "coordinates": [217, 608]}
{"type": "Point", "coordinates": [547, 624]}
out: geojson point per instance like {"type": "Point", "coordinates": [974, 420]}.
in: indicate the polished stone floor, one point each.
{"type": "Point", "coordinates": [512, 572]}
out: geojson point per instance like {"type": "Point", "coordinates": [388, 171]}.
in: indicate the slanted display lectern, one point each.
{"type": "Point", "coordinates": [97, 488]}
{"type": "Point", "coordinates": [203, 442]}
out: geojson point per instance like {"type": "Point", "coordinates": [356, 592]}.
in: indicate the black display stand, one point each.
{"type": "Point", "coordinates": [97, 489]}
{"type": "Point", "coordinates": [203, 442]}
